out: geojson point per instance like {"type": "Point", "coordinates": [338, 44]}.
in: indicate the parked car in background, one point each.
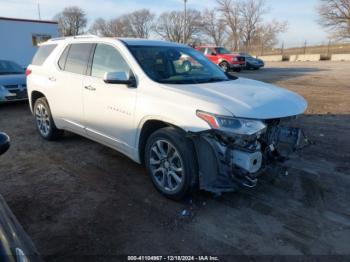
{"type": "Point", "coordinates": [192, 127]}
{"type": "Point", "coordinates": [227, 60]}
{"type": "Point", "coordinates": [15, 245]}
{"type": "Point", "coordinates": [252, 62]}
{"type": "Point", "coordinates": [13, 85]}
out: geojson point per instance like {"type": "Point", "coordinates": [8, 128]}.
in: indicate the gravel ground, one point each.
{"type": "Point", "coordinates": [79, 200]}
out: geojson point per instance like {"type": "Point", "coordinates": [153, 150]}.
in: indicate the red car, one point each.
{"type": "Point", "coordinates": [223, 58]}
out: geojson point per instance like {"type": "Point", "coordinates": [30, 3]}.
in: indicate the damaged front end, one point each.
{"type": "Point", "coordinates": [229, 161]}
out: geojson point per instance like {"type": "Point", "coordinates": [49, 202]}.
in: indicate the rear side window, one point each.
{"type": "Point", "coordinates": [78, 58]}
{"type": "Point", "coordinates": [42, 54]}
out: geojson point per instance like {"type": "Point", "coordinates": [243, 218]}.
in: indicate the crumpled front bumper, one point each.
{"type": "Point", "coordinates": [227, 163]}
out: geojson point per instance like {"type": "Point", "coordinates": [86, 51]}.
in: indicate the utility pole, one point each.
{"type": "Point", "coordinates": [329, 49]}
{"type": "Point", "coordinates": [185, 22]}
{"type": "Point", "coordinates": [39, 12]}
{"type": "Point", "coordinates": [305, 45]}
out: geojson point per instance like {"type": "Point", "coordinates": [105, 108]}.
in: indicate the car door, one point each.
{"type": "Point", "coordinates": [212, 55]}
{"type": "Point", "coordinates": [109, 108]}
{"type": "Point", "coordinates": [67, 100]}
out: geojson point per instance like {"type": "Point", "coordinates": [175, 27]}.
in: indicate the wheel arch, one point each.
{"type": "Point", "coordinates": [147, 128]}
{"type": "Point", "coordinates": [35, 95]}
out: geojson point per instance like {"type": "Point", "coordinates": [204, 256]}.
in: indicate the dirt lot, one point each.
{"type": "Point", "coordinates": [77, 198]}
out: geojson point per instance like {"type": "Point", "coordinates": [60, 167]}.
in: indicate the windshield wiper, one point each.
{"type": "Point", "coordinates": [173, 81]}
{"type": "Point", "coordinates": [213, 79]}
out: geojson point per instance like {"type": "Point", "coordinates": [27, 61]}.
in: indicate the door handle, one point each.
{"type": "Point", "coordinates": [90, 88]}
{"type": "Point", "coordinates": [52, 79]}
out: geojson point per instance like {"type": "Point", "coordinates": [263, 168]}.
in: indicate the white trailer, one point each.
{"type": "Point", "coordinates": [20, 38]}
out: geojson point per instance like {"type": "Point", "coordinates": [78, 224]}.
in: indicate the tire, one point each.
{"type": "Point", "coordinates": [171, 162]}
{"type": "Point", "coordinates": [44, 121]}
{"type": "Point", "coordinates": [225, 66]}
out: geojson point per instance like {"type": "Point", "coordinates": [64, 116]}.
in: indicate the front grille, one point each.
{"type": "Point", "coordinates": [20, 94]}
{"type": "Point", "coordinates": [11, 86]}
{"type": "Point", "coordinates": [241, 58]}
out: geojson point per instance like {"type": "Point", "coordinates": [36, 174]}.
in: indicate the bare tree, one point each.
{"type": "Point", "coordinates": [117, 27]}
{"type": "Point", "coordinates": [244, 18]}
{"type": "Point", "coordinates": [136, 24]}
{"type": "Point", "coordinates": [140, 23]}
{"type": "Point", "coordinates": [230, 10]}
{"type": "Point", "coordinates": [335, 15]}
{"type": "Point", "coordinates": [100, 27]}
{"type": "Point", "coordinates": [251, 12]}
{"type": "Point", "coordinates": [213, 26]}
{"type": "Point", "coordinates": [267, 33]}
{"type": "Point", "coordinates": [170, 25]}
{"type": "Point", "coordinates": [71, 21]}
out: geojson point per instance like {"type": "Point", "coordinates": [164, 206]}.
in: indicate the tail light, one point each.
{"type": "Point", "coordinates": [28, 72]}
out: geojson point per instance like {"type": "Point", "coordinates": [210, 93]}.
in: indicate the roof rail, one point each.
{"type": "Point", "coordinates": [72, 37]}
{"type": "Point", "coordinates": [85, 36]}
{"type": "Point", "coordinates": [56, 39]}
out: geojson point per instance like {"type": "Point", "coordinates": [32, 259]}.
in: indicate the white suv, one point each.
{"type": "Point", "coordinates": [164, 105]}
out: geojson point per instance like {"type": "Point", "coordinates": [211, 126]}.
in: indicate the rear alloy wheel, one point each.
{"type": "Point", "coordinates": [171, 163]}
{"type": "Point", "coordinates": [224, 66]}
{"type": "Point", "coordinates": [44, 122]}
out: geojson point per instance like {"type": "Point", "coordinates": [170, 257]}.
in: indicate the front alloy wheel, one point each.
{"type": "Point", "coordinates": [166, 166]}
{"type": "Point", "coordinates": [224, 66]}
{"type": "Point", "coordinates": [171, 162]}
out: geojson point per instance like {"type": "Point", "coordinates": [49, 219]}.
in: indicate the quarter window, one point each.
{"type": "Point", "coordinates": [42, 54]}
{"type": "Point", "coordinates": [107, 59]}
{"type": "Point", "coordinates": [63, 58]}
{"type": "Point", "coordinates": [78, 58]}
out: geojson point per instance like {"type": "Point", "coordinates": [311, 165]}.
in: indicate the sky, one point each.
{"type": "Point", "coordinates": [301, 15]}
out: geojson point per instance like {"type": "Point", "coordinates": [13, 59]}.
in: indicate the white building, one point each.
{"type": "Point", "coordinates": [20, 37]}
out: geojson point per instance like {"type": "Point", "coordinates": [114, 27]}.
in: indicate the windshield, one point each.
{"type": "Point", "coordinates": [222, 51]}
{"type": "Point", "coordinates": [177, 65]}
{"type": "Point", "coordinates": [8, 67]}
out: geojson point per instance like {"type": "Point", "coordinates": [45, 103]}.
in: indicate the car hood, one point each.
{"type": "Point", "coordinates": [12, 79]}
{"type": "Point", "coordinates": [252, 59]}
{"type": "Point", "coordinates": [248, 98]}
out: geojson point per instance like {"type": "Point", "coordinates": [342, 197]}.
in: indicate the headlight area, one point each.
{"type": "Point", "coordinates": [235, 152]}
{"type": "Point", "coordinates": [237, 126]}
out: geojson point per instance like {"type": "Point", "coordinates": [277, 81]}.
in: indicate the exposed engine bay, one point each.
{"type": "Point", "coordinates": [228, 162]}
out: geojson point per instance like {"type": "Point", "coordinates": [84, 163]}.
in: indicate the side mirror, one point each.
{"type": "Point", "coordinates": [4, 143]}
{"type": "Point", "coordinates": [121, 78]}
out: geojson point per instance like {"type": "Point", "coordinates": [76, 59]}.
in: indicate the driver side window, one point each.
{"type": "Point", "coordinates": [107, 59]}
